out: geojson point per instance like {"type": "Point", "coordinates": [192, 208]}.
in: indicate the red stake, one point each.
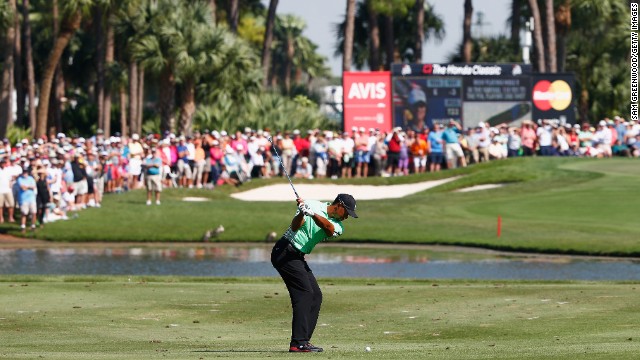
{"type": "Point", "coordinates": [499, 225]}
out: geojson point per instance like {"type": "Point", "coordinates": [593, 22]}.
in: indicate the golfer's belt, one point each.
{"type": "Point", "coordinates": [289, 235]}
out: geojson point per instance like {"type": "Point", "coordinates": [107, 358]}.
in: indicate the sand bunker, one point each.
{"type": "Point", "coordinates": [195, 199]}
{"type": "Point", "coordinates": [283, 192]}
{"type": "Point", "coordinates": [480, 187]}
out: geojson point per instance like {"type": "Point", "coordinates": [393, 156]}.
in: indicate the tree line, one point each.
{"type": "Point", "coordinates": [177, 65]}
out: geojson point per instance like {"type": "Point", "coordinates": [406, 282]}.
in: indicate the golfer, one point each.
{"type": "Point", "coordinates": [314, 222]}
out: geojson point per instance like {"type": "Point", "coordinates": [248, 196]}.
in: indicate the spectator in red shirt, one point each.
{"type": "Point", "coordinates": [393, 153]}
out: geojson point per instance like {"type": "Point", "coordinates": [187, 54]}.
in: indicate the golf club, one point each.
{"type": "Point", "coordinates": [283, 167]}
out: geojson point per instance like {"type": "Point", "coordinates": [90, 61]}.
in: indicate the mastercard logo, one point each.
{"type": "Point", "coordinates": [555, 95]}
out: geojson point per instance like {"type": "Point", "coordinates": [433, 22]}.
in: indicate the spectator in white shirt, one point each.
{"type": "Point", "coordinates": [6, 193]}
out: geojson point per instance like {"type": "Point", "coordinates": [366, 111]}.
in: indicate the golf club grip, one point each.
{"type": "Point", "coordinates": [283, 167]}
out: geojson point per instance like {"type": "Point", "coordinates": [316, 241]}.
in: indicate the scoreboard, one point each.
{"type": "Point", "coordinates": [474, 93]}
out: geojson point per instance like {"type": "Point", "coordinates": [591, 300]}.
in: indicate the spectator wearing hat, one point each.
{"type": "Point", "coordinates": [288, 150]}
{"type": "Point", "coordinates": [630, 133]}
{"type": "Point", "coordinates": [572, 136]}
{"type": "Point", "coordinates": [514, 142]}
{"type": "Point", "coordinates": [240, 139]}
{"type": "Point", "coordinates": [79, 170]}
{"type": "Point", "coordinates": [94, 180]}
{"type": "Point", "coordinates": [304, 170]}
{"type": "Point", "coordinates": [393, 152]}
{"type": "Point", "coordinates": [586, 137]}
{"type": "Point", "coordinates": [545, 138]}
{"type": "Point", "coordinates": [379, 154]}
{"type": "Point", "coordinates": [257, 163]}
{"type": "Point", "coordinates": [302, 146]}
{"type": "Point", "coordinates": [207, 140]}
{"type": "Point", "coordinates": [621, 127]}
{"type": "Point", "coordinates": [184, 169]}
{"type": "Point", "coordinates": [233, 162]}
{"type": "Point", "coordinates": [217, 154]}
{"type": "Point", "coordinates": [7, 200]}
{"type": "Point", "coordinates": [436, 157]}
{"type": "Point", "coordinates": [614, 132]}
{"type": "Point", "coordinates": [602, 139]}
{"type": "Point", "coordinates": [529, 138]}
{"type": "Point", "coordinates": [363, 157]}
{"type": "Point", "coordinates": [419, 149]}
{"type": "Point", "coordinates": [27, 198]}
{"type": "Point", "coordinates": [135, 154]}
{"type": "Point", "coordinates": [320, 149]}
{"type": "Point", "coordinates": [453, 150]}
{"type": "Point", "coordinates": [152, 176]}
{"type": "Point", "coordinates": [482, 137]}
{"type": "Point", "coordinates": [348, 161]}
{"type": "Point", "coordinates": [54, 179]}
{"type": "Point", "coordinates": [562, 143]}
{"type": "Point", "coordinates": [43, 194]}
{"type": "Point", "coordinates": [199, 163]}
{"type": "Point", "coordinates": [164, 152]}
{"type": "Point", "coordinates": [334, 144]}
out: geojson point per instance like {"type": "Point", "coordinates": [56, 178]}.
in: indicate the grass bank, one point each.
{"type": "Point", "coordinates": [553, 205]}
{"type": "Point", "coordinates": [196, 318]}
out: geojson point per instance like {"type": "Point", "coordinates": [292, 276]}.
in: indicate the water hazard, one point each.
{"type": "Point", "coordinates": [326, 261]}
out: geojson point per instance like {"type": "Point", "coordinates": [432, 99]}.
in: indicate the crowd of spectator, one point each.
{"type": "Point", "coordinates": [45, 179]}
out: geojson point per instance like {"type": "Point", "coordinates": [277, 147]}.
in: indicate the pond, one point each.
{"type": "Point", "coordinates": [353, 261]}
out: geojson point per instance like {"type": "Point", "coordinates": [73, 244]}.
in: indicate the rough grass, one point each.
{"type": "Point", "coordinates": [554, 205]}
{"type": "Point", "coordinates": [199, 318]}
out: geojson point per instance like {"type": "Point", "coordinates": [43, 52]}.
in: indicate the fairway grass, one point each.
{"type": "Point", "coordinates": [204, 318]}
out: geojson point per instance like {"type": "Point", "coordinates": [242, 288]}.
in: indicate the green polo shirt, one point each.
{"type": "Point", "coordinates": [310, 234]}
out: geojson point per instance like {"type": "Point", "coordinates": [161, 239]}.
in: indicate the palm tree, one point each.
{"type": "Point", "coordinates": [537, 35]}
{"type": "Point", "coordinates": [132, 21]}
{"type": "Point", "coordinates": [7, 16]}
{"type": "Point", "coordinates": [308, 62]}
{"type": "Point", "coordinates": [563, 25]}
{"type": "Point", "coordinates": [198, 46]}
{"type": "Point", "coordinates": [467, 43]}
{"type": "Point", "coordinates": [99, 20]}
{"type": "Point", "coordinates": [109, 48]}
{"type": "Point", "coordinates": [233, 15]}
{"type": "Point", "coordinates": [17, 73]}
{"type": "Point", "coordinates": [72, 13]}
{"type": "Point", "coordinates": [289, 28]}
{"type": "Point", "coordinates": [374, 37]}
{"type": "Point", "coordinates": [348, 35]}
{"type": "Point", "coordinates": [602, 67]}
{"type": "Point", "coordinates": [117, 81]}
{"type": "Point", "coordinates": [31, 77]}
{"type": "Point", "coordinates": [515, 22]}
{"type": "Point", "coordinates": [419, 34]}
{"type": "Point", "coordinates": [212, 6]}
{"type": "Point", "coordinates": [367, 41]}
{"type": "Point", "coordinates": [268, 40]}
{"type": "Point", "coordinates": [551, 37]}
{"type": "Point", "coordinates": [153, 51]}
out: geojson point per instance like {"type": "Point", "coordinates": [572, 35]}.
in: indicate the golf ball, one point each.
{"type": "Point", "coordinates": [367, 349]}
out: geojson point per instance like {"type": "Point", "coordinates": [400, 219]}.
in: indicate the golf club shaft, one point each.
{"type": "Point", "coordinates": [283, 167]}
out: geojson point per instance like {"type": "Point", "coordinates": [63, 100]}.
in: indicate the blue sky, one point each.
{"type": "Point", "coordinates": [321, 15]}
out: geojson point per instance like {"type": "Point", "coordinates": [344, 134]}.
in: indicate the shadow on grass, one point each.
{"type": "Point", "coordinates": [241, 351]}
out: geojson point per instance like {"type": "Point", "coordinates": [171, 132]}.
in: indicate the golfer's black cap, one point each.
{"type": "Point", "coordinates": [349, 203]}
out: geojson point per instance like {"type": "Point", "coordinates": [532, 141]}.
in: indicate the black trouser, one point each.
{"type": "Point", "coordinates": [304, 291]}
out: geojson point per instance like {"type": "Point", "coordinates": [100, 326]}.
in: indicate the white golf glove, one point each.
{"type": "Point", "coordinates": [305, 209]}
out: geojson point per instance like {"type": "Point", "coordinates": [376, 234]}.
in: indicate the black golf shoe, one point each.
{"type": "Point", "coordinates": [308, 347]}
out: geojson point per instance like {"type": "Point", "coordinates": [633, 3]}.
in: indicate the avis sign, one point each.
{"type": "Point", "coordinates": [367, 100]}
